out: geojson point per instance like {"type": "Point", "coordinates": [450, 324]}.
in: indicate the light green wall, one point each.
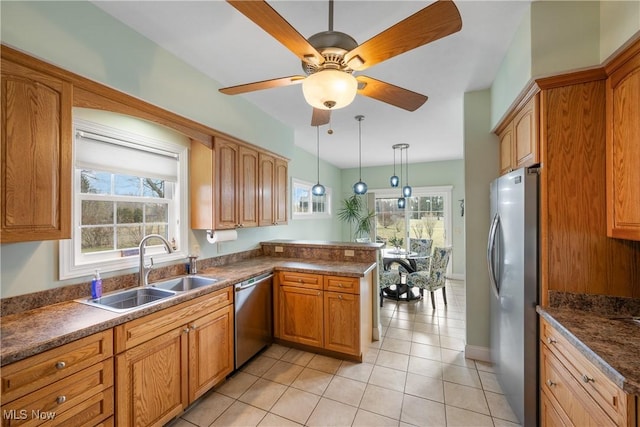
{"type": "Point", "coordinates": [450, 172]}
{"type": "Point", "coordinates": [619, 22]}
{"type": "Point", "coordinates": [481, 151]}
{"type": "Point", "coordinates": [81, 38]}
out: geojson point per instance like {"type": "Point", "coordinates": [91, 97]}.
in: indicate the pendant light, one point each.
{"type": "Point", "coordinates": [401, 199]}
{"type": "Point", "coordinates": [318, 189]}
{"type": "Point", "coordinates": [360, 187]}
{"type": "Point", "coordinates": [394, 180]}
{"type": "Point", "coordinates": [406, 190]}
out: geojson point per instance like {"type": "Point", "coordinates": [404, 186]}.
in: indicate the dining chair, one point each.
{"type": "Point", "coordinates": [433, 279]}
{"type": "Point", "coordinates": [422, 247]}
{"type": "Point", "coordinates": [387, 278]}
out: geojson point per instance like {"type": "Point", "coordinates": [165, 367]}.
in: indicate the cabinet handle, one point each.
{"type": "Point", "coordinates": [339, 284]}
{"type": "Point", "coordinates": [186, 330]}
{"type": "Point", "coordinates": [340, 297]}
{"type": "Point", "coordinates": [60, 365]}
{"type": "Point", "coordinates": [550, 383]}
{"type": "Point", "coordinates": [318, 294]}
{"type": "Point", "coordinates": [551, 340]}
{"type": "Point", "coordinates": [299, 280]}
{"type": "Point", "coordinates": [587, 379]}
{"type": "Point", "coordinates": [61, 399]}
{"type": "Point", "coordinates": [193, 327]}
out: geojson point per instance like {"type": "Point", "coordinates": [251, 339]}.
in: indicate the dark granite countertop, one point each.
{"type": "Point", "coordinates": [611, 344]}
{"type": "Point", "coordinates": [325, 244]}
{"type": "Point", "coordinates": [34, 331]}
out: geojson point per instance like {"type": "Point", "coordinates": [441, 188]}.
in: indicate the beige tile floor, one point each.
{"type": "Point", "coordinates": [416, 375]}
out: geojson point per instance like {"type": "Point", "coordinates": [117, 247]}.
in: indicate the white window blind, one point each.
{"type": "Point", "coordinates": [94, 151]}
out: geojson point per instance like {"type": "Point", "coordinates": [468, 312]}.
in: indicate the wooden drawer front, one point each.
{"type": "Point", "coordinates": [559, 384]}
{"type": "Point", "coordinates": [37, 371]}
{"type": "Point", "coordinates": [300, 280]}
{"type": "Point", "coordinates": [148, 327]}
{"type": "Point", "coordinates": [51, 403]}
{"type": "Point", "coordinates": [602, 389]}
{"type": "Point", "coordinates": [342, 284]}
{"type": "Point", "coordinates": [550, 415]}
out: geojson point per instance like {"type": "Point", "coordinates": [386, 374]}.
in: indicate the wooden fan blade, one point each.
{"type": "Point", "coordinates": [320, 117]}
{"type": "Point", "coordinates": [386, 92]}
{"type": "Point", "coordinates": [264, 84]}
{"type": "Point", "coordinates": [435, 21]}
{"type": "Point", "coordinates": [265, 17]}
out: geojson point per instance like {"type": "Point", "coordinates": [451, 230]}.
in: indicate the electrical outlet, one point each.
{"type": "Point", "coordinates": [349, 252]}
{"type": "Point", "coordinates": [279, 249]}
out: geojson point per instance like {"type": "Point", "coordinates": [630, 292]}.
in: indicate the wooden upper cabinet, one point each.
{"type": "Point", "coordinates": [623, 149]}
{"type": "Point", "coordinates": [36, 155]}
{"type": "Point", "coordinates": [519, 139]}
{"type": "Point", "coordinates": [267, 171]}
{"type": "Point", "coordinates": [226, 182]}
{"type": "Point", "coordinates": [247, 189]}
{"type": "Point", "coordinates": [281, 191]}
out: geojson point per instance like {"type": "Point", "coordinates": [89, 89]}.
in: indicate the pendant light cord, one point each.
{"type": "Point", "coordinates": [318, 152]}
{"type": "Point", "coordinates": [360, 146]}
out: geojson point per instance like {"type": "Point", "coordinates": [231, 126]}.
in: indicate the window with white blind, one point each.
{"type": "Point", "coordinates": [126, 186]}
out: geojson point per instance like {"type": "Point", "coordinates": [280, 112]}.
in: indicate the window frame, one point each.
{"type": "Point", "coordinates": [72, 267]}
{"type": "Point", "coordinates": [298, 183]}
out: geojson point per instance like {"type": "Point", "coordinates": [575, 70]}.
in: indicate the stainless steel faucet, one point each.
{"type": "Point", "coordinates": [193, 264]}
{"type": "Point", "coordinates": [144, 270]}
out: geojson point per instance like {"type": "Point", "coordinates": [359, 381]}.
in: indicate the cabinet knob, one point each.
{"type": "Point", "coordinates": [587, 379]}
{"type": "Point", "coordinates": [193, 327]}
{"type": "Point", "coordinates": [61, 365]}
{"type": "Point", "coordinates": [339, 297]}
{"type": "Point", "coordinates": [339, 284]}
{"type": "Point", "coordinates": [550, 383]}
{"type": "Point", "coordinates": [61, 399]}
{"type": "Point", "coordinates": [186, 330]}
{"type": "Point", "coordinates": [318, 293]}
{"type": "Point", "coordinates": [551, 340]}
{"type": "Point", "coordinates": [299, 280]}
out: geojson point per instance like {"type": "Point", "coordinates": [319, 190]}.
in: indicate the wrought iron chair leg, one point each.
{"type": "Point", "coordinates": [381, 297]}
{"type": "Point", "coordinates": [433, 300]}
{"type": "Point", "coordinates": [444, 295]}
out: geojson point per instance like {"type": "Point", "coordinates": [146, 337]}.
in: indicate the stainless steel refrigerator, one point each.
{"type": "Point", "coordinates": [512, 257]}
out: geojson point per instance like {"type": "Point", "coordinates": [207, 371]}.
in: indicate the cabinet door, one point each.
{"type": "Point", "coordinates": [506, 151]}
{"type": "Point", "coordinates": [300, 315]}
{"type": "Point", "coordinates": [550, 414]}
{"type": "Point", "coordinates": [151, 384]}
{"type": "Point", "coordinates": [266, 214]}
{"type": "Point", "coordinates": [36, 155]}
{"type": "Point", "coordinates": [623, 151]}
{"type": "Point", "coordinates": [210, 351]}
{"type": "Point", "coordinates": [227, 179]}
{"type": "Point", "coordinates": [247, 190]}
{"type": "Point", "coordinates": [280, 192]}
{"type": "Point", "coordinates": [525, 130]}
{"type": "Point", "coordinates": [341, 322]}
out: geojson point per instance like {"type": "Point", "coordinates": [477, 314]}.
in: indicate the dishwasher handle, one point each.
{"type": "Point", "coordinates": [246, 285]}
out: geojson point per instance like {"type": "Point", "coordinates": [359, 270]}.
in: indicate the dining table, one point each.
{"type": "Point", "coordinates": [406, 259]}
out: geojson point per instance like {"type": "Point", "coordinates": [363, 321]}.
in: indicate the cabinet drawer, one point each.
{"type": "Point", "coordinates": [342, 284]}
{"type": "Point", "coordinates": [550, 414]}
{"type": "Point", "coordinates": [300, 280]}
{"type": "Point", "coordinates": [137, 331]}
{"type": "Point", "coordinates": [40, 370]}
{"type": "Point", "coordinates": [83, 394]}
{"type": "Point", "coordinates": [560, 384]}
{"type": "Point", "coordinates": [600, 388]}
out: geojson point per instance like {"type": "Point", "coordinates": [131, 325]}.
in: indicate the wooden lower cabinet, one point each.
{"type": "Point", "coordinates": [342, 322]}
{"type": "Point", "coordinates": [331, 313]}
{"type": "Point", "coordinates": [71, 385]}
{"type": "Point", "coordinates": [574, 392]}
{"type": "Point", "coordinates": [179, 354]}
{"type": "Point", "coordinates": [300, 315]}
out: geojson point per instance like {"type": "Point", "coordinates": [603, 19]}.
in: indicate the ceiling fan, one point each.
{"type": "Point", "coordinates": [330, 58]}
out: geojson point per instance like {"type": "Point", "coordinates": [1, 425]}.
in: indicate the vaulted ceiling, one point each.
{"type": "Point", "coordinates": [219, 41]}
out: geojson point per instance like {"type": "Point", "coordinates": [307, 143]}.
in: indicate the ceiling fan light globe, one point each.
{"type": "Point", "coordinates": [318, 190]}
{"type": "Point", "coordinates": [360, 188]}
{"type": "Point", "coordinates": [394, 181]}
{"type": "Point", "coordinates": [329, 89]}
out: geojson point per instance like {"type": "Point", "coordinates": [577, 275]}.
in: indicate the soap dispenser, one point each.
{"type": "Point", "coordinates": [96, 285]}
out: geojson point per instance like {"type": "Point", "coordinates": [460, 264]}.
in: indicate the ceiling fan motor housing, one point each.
{"type": "Point", "coordinates": [333, 45]}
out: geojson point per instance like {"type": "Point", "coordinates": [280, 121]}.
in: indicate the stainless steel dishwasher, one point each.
{"type": "Point", "coordinates": [253, 317]}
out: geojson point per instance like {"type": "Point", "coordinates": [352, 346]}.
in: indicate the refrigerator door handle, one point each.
{"type": "Point", "coordinates": [491, 248]}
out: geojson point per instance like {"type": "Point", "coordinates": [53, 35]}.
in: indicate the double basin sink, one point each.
{"type": "Point", "coordinates": [123, 301]}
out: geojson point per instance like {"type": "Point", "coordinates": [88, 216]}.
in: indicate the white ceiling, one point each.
{"type": "Point", "coordinates": [219, 41]}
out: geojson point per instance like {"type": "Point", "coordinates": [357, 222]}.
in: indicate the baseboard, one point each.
{"type": "Point", "coordinates": [475, 352]}
{"type": "Point", "coordinates": [459, 277]}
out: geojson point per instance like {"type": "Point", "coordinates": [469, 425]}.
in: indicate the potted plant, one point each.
{"type": "Point", "coordinates": [354, 213]}
{"type": "Point", "coordinates": [396, 242]}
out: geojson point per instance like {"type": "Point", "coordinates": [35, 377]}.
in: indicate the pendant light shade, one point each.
{"type": "Point", "coordinates": [402, 202]}
{"type": "Point", "coordinates": [394, 180]}
{"type": "Point", "coordinates": [318, 189]}
{"type": "Point", "coordinates": [360, 187]}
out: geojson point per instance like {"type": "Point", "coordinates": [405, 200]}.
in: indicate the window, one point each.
{"type": "Point", "coordinates": [126, 186]}
{"type": "Point", "coordinates": [307, 206]}
{"type": "Point", "coordinates": [427, 215]}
